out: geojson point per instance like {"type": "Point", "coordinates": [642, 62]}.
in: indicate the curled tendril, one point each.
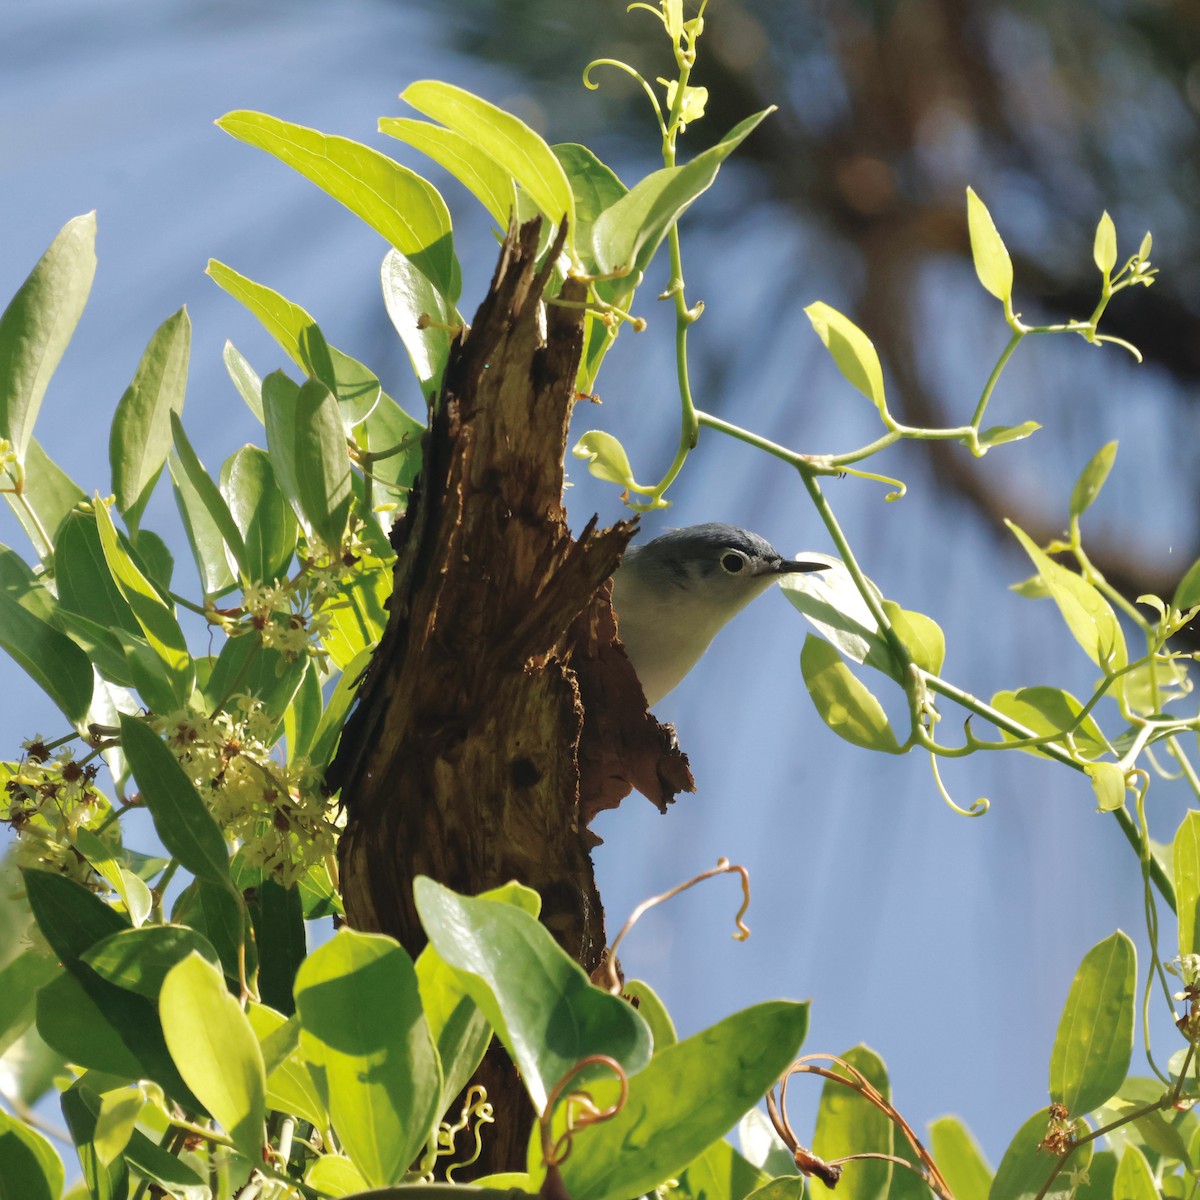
{"type": "Point", "coordinates": [723, 867]}
{"type": "Point", "coordinates": [592, 86]}
{"type": "Point", "coordinates": [976, 810]}
{"type": "Point", "coordinates": [830, 1172]}
{"type": "Point", "coordinates": [898, 486]}
{"type": "Point", "coordinates": [475, 1104]}
{"type": "Point", "coordinates": [580, 1109]}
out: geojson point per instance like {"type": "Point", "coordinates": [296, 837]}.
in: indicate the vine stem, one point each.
{"type": "Point", "coordinates": [1124, 820]}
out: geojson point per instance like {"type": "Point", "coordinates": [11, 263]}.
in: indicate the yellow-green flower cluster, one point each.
{"type": "Point", "coordinates": [275, 813]}
{"type": "Point", "coordinates": [47, 798]}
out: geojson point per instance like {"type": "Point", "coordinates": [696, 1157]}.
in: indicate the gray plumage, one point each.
{"type": "Point", "coordinates": [673, 594]}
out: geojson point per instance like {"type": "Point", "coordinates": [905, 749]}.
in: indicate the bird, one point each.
{"type": "Point", "coordinates": [672, 595]}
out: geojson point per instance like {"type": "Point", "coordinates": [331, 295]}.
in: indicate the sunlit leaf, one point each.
{"type": "Point", "coordinates": [394, 201]}
{"type": "Point", "coordinates": [1094, 1043]}
{"type": "Point", "coordinates": [852, 351]}
{"type": "Point", "coordinates": [38, 323]}
{"type": "Point", "coordinates": [992, 263]}
{"type": "Point", "coordinates": [1104, 247]}
{"type": "Point", "coordinates": [1091, 479]}
{"type": "Point", "coordinates": [843, 703]}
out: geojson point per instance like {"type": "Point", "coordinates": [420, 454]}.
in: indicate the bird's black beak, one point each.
{"type": "Point", "coordinates": [791, 566]}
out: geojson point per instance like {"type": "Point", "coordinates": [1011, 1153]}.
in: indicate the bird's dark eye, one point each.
{"type": "Point", "coordinates": [732, 562]}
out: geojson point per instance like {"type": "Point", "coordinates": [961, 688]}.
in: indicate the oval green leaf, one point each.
{"type": "Point", "coordinates": [852, 351]}
{"type": "Point", "coordinates": [181, 820]}
{"type": "Point", "coordinates": [605, 457]}
{"type": "Point", "coordinates": [1091, 479]}
{"type": "Point", "coordinates": [536, 997]}
{"type": "Point", "coordinates": [1088, 615]}
{"type": "Point", "coordinates": [216, 1051]}
{"type": "Point", "coordinates": [29, 1166]}
{"type": "Point", "coordinates": [261, 512]}
{"type": "Point", "coordinates": [141, 429]}
{"type": "Point", "coordinates": [992, 263]}
{"type": "Point", "coordinates": [37, 326]}
{"type": "Point", "coordinates": [1104, 246]}
{"type": "Point", "coordinates": [848, 1124]}
{"type": "Point", "coordinates": [959, 1159]}
{"type": "Point", "coordinates": [139, 959]}
{"type": "Point", "coordinates": [367, 1043]}
{"type": "Point", "coordinates": [1025, 1167]}
{"type": "Point", "coordinates": [687, 1098]}
{"type": "Point", "coordinates": [1094, 1043]}
{"type": "Point", "coordinates": [1186, 868]}
{"type": "Point", "coordinates": [844, 704]}
{"type": "Point", "coordinates": [422, 316]}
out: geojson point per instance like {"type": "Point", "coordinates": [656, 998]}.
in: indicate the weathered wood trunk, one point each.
{"type": "Point", "coordinates": [497, 717]}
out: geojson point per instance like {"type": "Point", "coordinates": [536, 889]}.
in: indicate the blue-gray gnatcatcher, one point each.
{"type": "Point", "coordinates": [673, 594]}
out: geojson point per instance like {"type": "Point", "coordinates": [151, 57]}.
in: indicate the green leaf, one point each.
{"type": "Point", "coordinates": [1091, 479]}
{"type": "Point", "coordinates": [333, 1175]}
{"type": "Point", "coordinates": [37, 326]}
{"type": "Point", "coordinates": [999, 435]}
{"type": "Point", "coordinates": [852, 351]}
{"type": "Point", "coordinates": [627, 234]}
{"type": "Point", "coordinates": [281, 408]}
{"type": "Point", "coordinates": [1104, 248]}
{"type": "Point", "coordinates": [85, 584]}
{"type": "Point", "coordinates": [141, 429]}
{"type": "Point", "coordinates": [329, 728]}
{"type": "Point", "coordinates": [721, 1173]}
{"type": "Point", "coordinates": [1134, 1179]}
{"type": "Point", "coordinates": [1048, 710]}
{"type": "Point", "coordinates": [959, 1159]}
{"type": "Point", "coordinates": [356, 387]}
{"type": "Point", "coordinates": [87, 1019]}
{"type": "Point", "coordinates": [317, 448]}
{"type": "Point", "coordinates": [992, 263]}
{"type": "Point", "coordinates": [181, 820]}
{"type": "Point", "coordinates": [844, 704]}
{"type": "Point", "coordinates": [849, 1124]}
{"type": "Point", "coordinates": [688, 1096]}
{"type": "Point", "coordinates": [261, 512]}
{"type": "Point", "coordinates": [139, 959]}
{"type": "Point", "coordinates": [409, 296]}
{"type": "Point", "coordinates": [1087, 614]}
{"type": "Point", "coordinates": [203, 534]}
{"type": "Point", "coordinates": [1186, 868]}
{"type": "Point", "coordinates": [245, 379]}
{"type": "Point", "coordinates": [156, 619]}
{"type": "Point", "coordinates": [49, 494]}
{"type": "Point", "coordinates": [921, 635]}
{"type": "Point", "coordinates": [50, 658]}
{"type": "Point", "coordinates": [368, 1045]}
{"type": "Point", "coordinates": [473, 167]}
{"type": "Point", "coordinates": [300, 718]}
{"type": "Point", "coordinates": [209, 495]}
{"type": "Point", "coordinates": [595, 187]}
{"type": "Point", "coordinates": [278, 919]}
{"type": "Point", "coordinates": [20, 980]}
{"type": "Point", "coordinates": [1025, 1166]}
{"type": "Point", "coordinates": [105, 1179]}
{"type": "Point", "coordinates": [1108, 782]}
{"type": "Point", "coordinates": [70, 917]}
{"type": "Point", "coordinates": [394, 201]}
{"type": "Point", "coordinates": [1095, 1034]}
{"type": "Point", "coordinates": [606, 458]}
{"type": "Point", "coordinates": [762, 1146]}
{"type": "Point", "coordinates": [216, 1051]}
{"type": "Point", "coordinates": [77, 1025]}
{"type": "Point", "coordinates": [245, 667]}
{"type": "Point", "coordinates": [1187, 593]}
{"type": "Point", "coordinates": [29, 1166]}
{"type": "Point", "coordinates": [119, 1113]}
{"type": "Point", "coordinates": [508, 141]}
{"type": "Point", "coordinates": [536, 997]}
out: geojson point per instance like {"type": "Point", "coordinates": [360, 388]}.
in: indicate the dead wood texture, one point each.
{"type": "Point", "coordinates": [497, 717]}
